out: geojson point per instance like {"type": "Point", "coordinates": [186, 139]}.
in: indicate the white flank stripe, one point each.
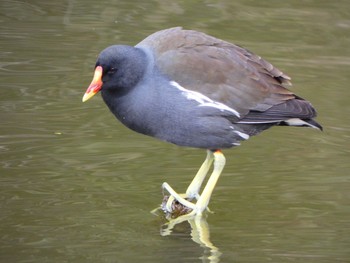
{"type": "Point", "coordinates": [203, 100]}
{"type": "Point", "coordinates": [243, 135]}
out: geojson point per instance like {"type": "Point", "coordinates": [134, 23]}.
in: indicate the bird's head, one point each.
{"type": "Point", "coordinates": [118, 68]}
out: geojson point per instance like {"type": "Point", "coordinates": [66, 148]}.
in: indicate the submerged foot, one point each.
{"type": "Point", "coordinates": [176, 208]}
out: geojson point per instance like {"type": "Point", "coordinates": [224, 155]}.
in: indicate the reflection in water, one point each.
{"type": "Point", "coordinates": [73, 182]}
{"type": "Point", "coordinates": [199, 233]}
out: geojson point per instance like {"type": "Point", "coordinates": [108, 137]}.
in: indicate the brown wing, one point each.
{"type": "Point", "coordinates": [220, 70]}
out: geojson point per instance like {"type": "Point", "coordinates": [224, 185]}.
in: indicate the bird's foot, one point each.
{"type": "Point", "coordinates": [175, 202]}
{"type": "Point", "coordinates": [176, 208]}
{"type": "Point", "coordinates": [175, 205]}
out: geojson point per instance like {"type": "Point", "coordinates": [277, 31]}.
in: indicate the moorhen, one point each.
{"type": "Point", "coordinates": [194, 90]}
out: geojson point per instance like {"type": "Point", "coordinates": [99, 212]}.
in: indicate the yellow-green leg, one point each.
{"type": "Point", "coordinates": [192, 190]}
{"type": "Point", "coordinates": [219, 164]}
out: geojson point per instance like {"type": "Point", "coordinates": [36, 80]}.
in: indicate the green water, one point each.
{"type": "Point", "coordinates": [77, 186]}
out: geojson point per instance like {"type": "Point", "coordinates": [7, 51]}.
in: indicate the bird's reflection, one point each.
{"type": "Point", "coordinates": [199, 233]}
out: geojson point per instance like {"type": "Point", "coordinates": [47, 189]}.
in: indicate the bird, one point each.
{"type": "Point", "coordinates": [194, 90]}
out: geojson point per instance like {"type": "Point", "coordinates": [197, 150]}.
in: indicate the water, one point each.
{"type": "Point", "coordinates": [77, 186]}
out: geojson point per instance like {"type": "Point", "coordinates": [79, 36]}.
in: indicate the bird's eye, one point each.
{"type": "Point", "coordinates": [111, 71]}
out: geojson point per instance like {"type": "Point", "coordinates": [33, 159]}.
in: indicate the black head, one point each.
{"type": "Point", "coordinates": [118, 69]}
{"type": "Point", "coordinates": [122, 67]}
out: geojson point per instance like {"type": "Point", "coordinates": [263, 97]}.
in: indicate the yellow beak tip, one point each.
{"type": "Point", "coordinates": [87, 96]}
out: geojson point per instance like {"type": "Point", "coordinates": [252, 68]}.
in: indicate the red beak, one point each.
{"type": "Point", "coordinates": [96, 84]}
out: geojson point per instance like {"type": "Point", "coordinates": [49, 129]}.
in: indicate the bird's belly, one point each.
{"type": "Point", "coordinates": [179, 120]}
{"type": "Point", "coordinates": [201, 132]}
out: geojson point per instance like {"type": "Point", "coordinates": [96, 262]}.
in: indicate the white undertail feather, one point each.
{"type": "Point", "coordinates": [289, 122]}
{"type": "Point", "coordinates": [299, 122]}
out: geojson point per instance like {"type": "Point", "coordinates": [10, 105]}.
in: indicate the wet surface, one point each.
{"type": "Point", "coordinates": [77, 186]}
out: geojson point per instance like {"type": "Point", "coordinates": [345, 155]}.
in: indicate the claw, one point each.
{"type": "Point", "coordinates": [168, 206]}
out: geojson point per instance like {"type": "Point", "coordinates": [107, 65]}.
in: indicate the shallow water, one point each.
{"type": "Point", "coordinates": [77, 186]}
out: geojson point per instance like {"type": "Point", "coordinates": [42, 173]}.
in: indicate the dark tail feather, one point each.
{"type": "Point", "coordinates": [315, 124]}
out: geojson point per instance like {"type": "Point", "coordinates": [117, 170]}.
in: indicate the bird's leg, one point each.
{"type": "Point", "coordinates": [204, 198]}
{"type": "Point", "coordinates": [219, 164]}
{"type": "Point", "coordinates": [193, 189]}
